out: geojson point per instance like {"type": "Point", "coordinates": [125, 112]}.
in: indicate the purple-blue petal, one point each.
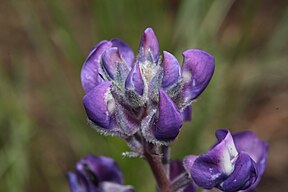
{"type": "Point", "coordinates": [77, 182]}
{"type": "Point", "coordinates": [125, 51]}
{"type": "Point", "coordinates": [98, 105]}
{"type": "Point", "coordinates": [169, 120]}
{"type": "Point", "coordinates": [243, 176]}
{"type": "Point", "coordinates": [149, 46]}
{"type": "Point", "coordinates": [188, 162]}
{"type": "Point", "coordinates": [134, 80]}
{"type": "Point", "coordinates": [91, 67]}
{"type": "Point", "coordinates": [197, 70]}
{"type": "Point", "coordinates": [216, 165]}
{"type": "Point", "coordinates": [247, 142]}
{"type": "Point", "coordinates": [187, 113]}
{"type": "Point", "coordinates": [171, 68]}
{"type": "Point", "coordinates": [206, 172]}
{"type": "Point", "coordinates": [103, 168]}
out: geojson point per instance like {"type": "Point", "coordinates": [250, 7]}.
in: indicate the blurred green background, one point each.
{"type": "Point", "coordinates": [43, 44]}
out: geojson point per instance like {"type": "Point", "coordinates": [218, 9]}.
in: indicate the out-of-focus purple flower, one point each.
{"type": "Point", "coordinates": [149, 94]}
{"type": "Point", "coordinates": [97, 174]}
{"type": "Point", "coordinates": [234, 163]}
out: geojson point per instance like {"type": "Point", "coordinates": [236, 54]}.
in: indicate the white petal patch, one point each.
{"type": "Point", "coordinates": [226, 163]}
{"type": "Point", "coordinates": [229, 155]}
{"type": "Point", "coordinates": [111, 106]}
{"type": "Point", "coordinates": [186, 76]}
{"type": "Point", "coordinates": [108, 98]}
{"type": "Point", "coordinates": [213, 177]}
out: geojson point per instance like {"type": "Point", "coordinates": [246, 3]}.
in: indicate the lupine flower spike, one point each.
{"type": "Point", "coordinates": [148, 95]}
{"type": "Point", "coordinates": [144, 99]}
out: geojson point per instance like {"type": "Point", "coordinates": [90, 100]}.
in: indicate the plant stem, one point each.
{"type": "Point", "coordinates": [158, 170]}
{"type": "Point", "coordinates": [166, 158]}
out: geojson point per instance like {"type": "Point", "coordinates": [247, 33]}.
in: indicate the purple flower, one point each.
{"type": "Point", "coordinates": [97, 174]}
{"type": "Point", "coordinates": [234, 163]}
{"type": "Point", "coordinates": [149, 94]}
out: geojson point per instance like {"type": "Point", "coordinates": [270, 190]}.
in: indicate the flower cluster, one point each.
{"type": "Point", "coordinates": [149, 94]}
{"type": "Point", "coordinates": [234, 163]}
{"type": "Point", "coordinates": [145, 99]}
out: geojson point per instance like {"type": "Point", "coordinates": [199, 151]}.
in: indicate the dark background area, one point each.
{"type": "Point", "coordinates": [43, 44]}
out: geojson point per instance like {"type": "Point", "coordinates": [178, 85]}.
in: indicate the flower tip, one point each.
{"type": "Point", "coordinates": [134, 80]}
{"type": "Point", "coordinates": [149, 46]}
{"type": "Point", "coordinates": [150, 37]}
{"type": "Point", "coordinates": [91, 67]}
{"type": "Point", "coordinates": [148, 30]}
{"type": "Point", "coordinates": [113, 51]}
{"type": "Point", "coordinates": [198, 52]}
{"type": "Point", "coordinates": [117, 42]}
{"type": "Point", "coordinates": [167, 54]}
{"type": "Point", "coordinates": [199, 56]}
{"type": "Point", "coordinates": [124, 50]}
{"type": "Point", "coordinates": [171, 68]}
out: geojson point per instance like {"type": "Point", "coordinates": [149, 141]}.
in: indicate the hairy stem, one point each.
{"type": "Point", "coordinates": [158, 169]}
{"type": "Point", "coordinates": [166, 158]}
